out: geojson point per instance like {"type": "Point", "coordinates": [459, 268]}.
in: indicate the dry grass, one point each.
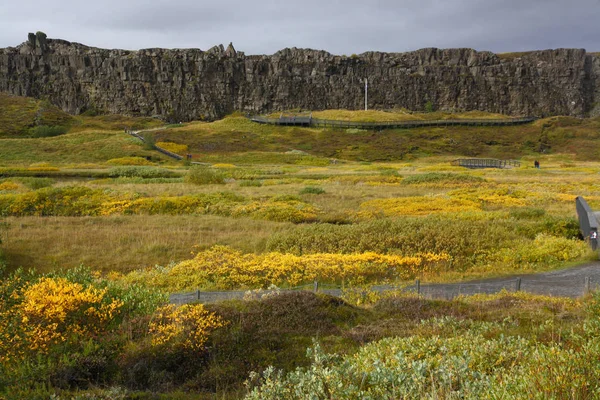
{"type": "Point", "coordinates": [124, 243]}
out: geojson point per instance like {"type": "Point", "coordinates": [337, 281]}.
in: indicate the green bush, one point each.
{"type": "Point", "coordinates": [205, 176]}
{"type": "Point", "coordinates": [250, 183]}
{"type": "Point", "coordinates": [141, 172]}
{"type": "Point", "coordinates": [429, 108]}
{"type": "Point", "coordinates": [47, 131]}
{"type": "Point", "coordinates": [36, 183]}
{"type": "Point", "coordinates": [527, 213]}
{"type": "Point", "coordinates": [149, 140]}
{"type": "Point", "coordinates": [441, 177]}
{"type": "Point", "coordinates": [312, 190]}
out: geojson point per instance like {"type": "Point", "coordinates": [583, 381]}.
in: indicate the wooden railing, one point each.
{"type": "Point", "coordinates": [327, 123]}
{"type": "Point", "coordinates": [485, 163]}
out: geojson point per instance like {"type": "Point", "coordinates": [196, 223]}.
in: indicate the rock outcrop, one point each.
{"type": "Point", "coordinates": [193, 84]}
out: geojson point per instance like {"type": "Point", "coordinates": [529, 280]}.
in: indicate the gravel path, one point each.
{"type": "Point", "coordinates": [569, 282]}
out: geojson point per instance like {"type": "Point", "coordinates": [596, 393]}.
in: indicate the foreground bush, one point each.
{"type": "Point", "coordinates": [466, 367]}
{"type": "Point", "coordinates": [472, 360]}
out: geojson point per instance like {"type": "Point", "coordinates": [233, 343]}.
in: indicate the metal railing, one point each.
{"type": "Point", "coordinates": [327, 123]}
{"type": "Point", "coordinates": [168, 153]}
{"type": "Point", "coordinates": [573, 287]}
{"type": "Point", "coordinates": [588, 224]}
{"type": "Point", "coordinates": [485, 163]}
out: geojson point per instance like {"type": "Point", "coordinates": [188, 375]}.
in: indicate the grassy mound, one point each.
{"type": "Point", "coordinates": [23, 116]}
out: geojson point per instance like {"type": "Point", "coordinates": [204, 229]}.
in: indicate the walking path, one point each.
{"type": "Point", "coordinates": [570, 282]}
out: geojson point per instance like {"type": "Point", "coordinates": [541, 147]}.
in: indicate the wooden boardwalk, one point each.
{"type": "Point", "coordinates": [327, 123]}
{"type": "Point", "coordinates": [475, 163]}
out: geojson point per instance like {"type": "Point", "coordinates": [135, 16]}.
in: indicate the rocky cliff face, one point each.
{"type": "Point", "coordinates": [192, 84]}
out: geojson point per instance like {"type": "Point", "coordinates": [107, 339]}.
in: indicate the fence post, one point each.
{"type": "Point", "coordinates": [586, 288]}
{"type": "Point", "coordinates": [198, 294]}
{"type": "Point", "coordinates": [518, 285]}
{"type": "Point", "coordinates": [418, 284]}
{"type": "Point", "coordinates": [316, 286]}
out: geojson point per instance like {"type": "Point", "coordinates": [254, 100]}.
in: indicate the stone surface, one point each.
{"type": "Point", "coordinates": [193, 84]}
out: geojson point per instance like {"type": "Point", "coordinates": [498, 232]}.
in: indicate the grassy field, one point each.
{"type": "Point", "coordinates": [103, 234]}
{"type": "Point", "coordinates": [237, 140]}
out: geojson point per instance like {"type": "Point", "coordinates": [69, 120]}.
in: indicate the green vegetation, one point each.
{"type": "Point", "coordinates": [47, 131]}
{"type": "Point", "coordinates": [204, 176]}
{"type": "Point", "coordinates": [141, 172]}
{"type": "Point", "coordinates": [280, 207]}
{"type": "Point", "coordinates": [22, 117]}
{"type": "Point", "coordinates": [312, 190]}
{"type": "Point", "coordinates": [239, 141]}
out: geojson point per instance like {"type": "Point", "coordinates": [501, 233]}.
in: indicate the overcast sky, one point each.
{"type": "Point", "coordinates": [340, 27]}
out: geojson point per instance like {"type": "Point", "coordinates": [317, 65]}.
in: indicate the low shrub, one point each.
{"type": "Point", "coordinates": [84, 201]}
{"type": "Point", "coordinates": [527, 213]}
{"type": "Point", "coordinates": [468, 242]}
{"type": "Point", "coordinates": [47, 131]}
{"type": "Point", "coordinates": [176, 148]}
{"type": "Point", "coordinates": [415, 206]}
{"type": "Point", "coordinates": [129, 161]}
{"type": "Point", "coordinates": [149, 140]}
{"type": "Point", "coordinates": [204, 176]}
{"type": "Point", "coordinates": [251, 183]}
{"type": "Point", "coordinates": [141, 172]}
{"type": "Point", "coordinates": [8, 186]}
{"type": "Point", "coordinates": [312, 190]}
{"type": "Point", "coordinates": [222, 268]}
{"type": "Point", "coordinates": [36, 183]}
{"type": "Point", "coordinates": [441, 177]}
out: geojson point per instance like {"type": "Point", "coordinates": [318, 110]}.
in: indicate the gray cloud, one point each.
{"type": "Point", "coordinates": [341, 27]}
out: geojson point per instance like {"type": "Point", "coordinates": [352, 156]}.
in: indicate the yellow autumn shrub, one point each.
{"type": "Point", "coordinates": [415, 206]}
{"type": "Point", "coordinates": [173, 147]}
{"type": "Point", "coordinates": [502, 196]}
{"type": "Point", "coordinates": [224, 166]}
{"type": "Point", "coordinates": [129, 161]}
{"type": "Point", "coordinates": [280, 211]}
{"type": "Point", "coordinates": [222, 267]}
{"type": "Point", "coordinates": [36, 316]}
{"type": "Point", "coordinates": [53, 309]}
{"type": "Point", "coordinates": [8, 186]}
{"type": "Point", "coordinates": [188, 325]}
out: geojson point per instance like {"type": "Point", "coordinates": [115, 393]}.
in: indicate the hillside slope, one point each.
{"type": "Point", "coordinates": [18, 115]}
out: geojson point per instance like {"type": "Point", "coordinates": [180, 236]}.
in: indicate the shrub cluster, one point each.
{"type": "Point", "coordinates": [501, 243]}
{"type": "Point", "coordinates": [83, 201]}
{"type": "Point", "coordinates": [47, 131]}
{"type": "Point", "coordinates": [141, 172]}
{"type": "Point", "coordinates": [180, 149]}
{"type": "Point", "coordinates": [205, 176]}
{"type": "Point", "coordinates": [129, 161]}
{"type": "Point", "coordinates": [222, 268]}
{"type": "Point", "coordinates": [441, 178]}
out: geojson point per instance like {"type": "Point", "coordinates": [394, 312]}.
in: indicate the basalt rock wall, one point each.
{"type": "Point", "coordinates": [193, 84]}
